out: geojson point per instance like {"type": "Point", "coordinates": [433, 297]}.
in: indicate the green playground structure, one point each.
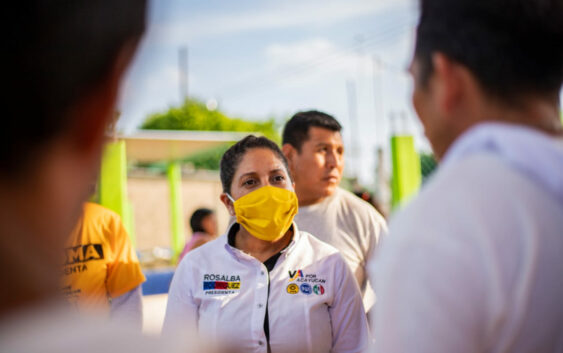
{"type": "Point", "coordinates": [406, 177]}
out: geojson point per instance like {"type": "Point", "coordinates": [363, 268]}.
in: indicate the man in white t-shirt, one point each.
{"type": "Point", "coordinates": [313, 146]}
{"type": "Point", "coordinates": [474, 263]}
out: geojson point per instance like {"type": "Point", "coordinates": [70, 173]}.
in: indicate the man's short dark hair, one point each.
{"type": "Point", "coordinates": [197, 218]}
{"type": "Point", "coordinates": [296, 130]}
{"type": "Point", "coordinates": [56, 52]}
{"type": "Point", "coordinates": [512, 47]}
{"type": "Point", "coordinates": [232, 158]}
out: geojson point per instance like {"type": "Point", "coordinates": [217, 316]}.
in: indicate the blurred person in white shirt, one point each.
{"type": "Point", "coordinates": [474, 263]}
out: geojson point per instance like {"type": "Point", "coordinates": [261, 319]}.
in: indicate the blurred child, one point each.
{"type": "Point", "coordinates": [203, 223]}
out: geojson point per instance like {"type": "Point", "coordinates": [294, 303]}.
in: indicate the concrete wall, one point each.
{"type": "Point", "coordinates": [150, 199]}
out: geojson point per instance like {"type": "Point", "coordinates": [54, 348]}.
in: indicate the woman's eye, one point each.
{"type": "Point", "coordinates": [249, 182]}
{"type": "Point", "coordinates": [279, 178]}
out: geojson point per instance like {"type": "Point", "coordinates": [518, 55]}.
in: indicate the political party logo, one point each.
{"type": "Point", "coordinates": [293, 288]}
{"type": "Point", "coordinates": [311, 278]}
{"type": "Point", "coordinates": [318, 289]}
{"type": "Point", "coordinates": [306, 288]}
{"type": "Point", "coordinates": [220, 284]}
{"type": "Point", "coordinates": [295, 274]}
{"type": "Point", "coordinates": [76, 257]}
{"type": "Point", "coordinates": [83, 253]}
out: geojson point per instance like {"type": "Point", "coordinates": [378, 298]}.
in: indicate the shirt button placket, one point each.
{"type": "Point", "coordinates": [260, 302]}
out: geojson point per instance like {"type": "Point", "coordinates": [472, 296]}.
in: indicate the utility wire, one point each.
{"type": "Point", "coordinates": [265, 81]}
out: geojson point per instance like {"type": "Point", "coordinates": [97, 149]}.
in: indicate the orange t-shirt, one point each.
{"type": "Point", "coordinates": [100, 262]}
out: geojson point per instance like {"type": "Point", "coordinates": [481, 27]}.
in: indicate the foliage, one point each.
{"type": "Point", "coordinates": [208, 159]}
{"type": "Point", "coordinates": [194, 115]}
{"type": "Point", "coordinates": [427, 165]}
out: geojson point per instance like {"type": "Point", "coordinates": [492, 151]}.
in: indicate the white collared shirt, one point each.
{"type": "Point", "coordinates": [314, 303]}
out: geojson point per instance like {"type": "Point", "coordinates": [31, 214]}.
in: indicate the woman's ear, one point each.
{"type": "Point", "coordinates": [228, 204]}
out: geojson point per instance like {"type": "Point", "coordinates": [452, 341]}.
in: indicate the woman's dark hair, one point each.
{"type": "Point", "coordinates": [231, 159]}
{"type": "Point", "coordinates": [197, 218]}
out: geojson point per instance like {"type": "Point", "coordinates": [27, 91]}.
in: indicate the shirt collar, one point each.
{"type": "Point", "coordinates": [230, 236]}
{"type": "Point", "coordinates": [296, 237]}
{"type": "Point", "coordinates": [531, 152]}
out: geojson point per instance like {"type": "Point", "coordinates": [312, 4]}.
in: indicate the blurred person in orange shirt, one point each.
{"type": "Point", "coordinates": [101, 270]}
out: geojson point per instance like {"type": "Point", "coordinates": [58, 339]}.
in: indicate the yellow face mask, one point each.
{"type": "Point", "coordinates": [266, 213]}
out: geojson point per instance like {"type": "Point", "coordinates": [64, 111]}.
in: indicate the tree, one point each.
{"type": "Point", "coordinates": [194, 115]}
{"type": "Point", "coordinates": [428, 165]}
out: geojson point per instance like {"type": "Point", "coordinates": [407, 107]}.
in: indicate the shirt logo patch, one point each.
{"type": "Point", "coordinates": [220, 284]}
{"type": "Point", "coordinates": [306, 288]}
{"type": "Point", "coordinates": [295, 274]}
{"type": "Point", "coordinates": [311, 278]}
{"type": "Point", "coordinates": [83, 253]}
{"type": "Point", "coordinates": [293, 288]}
{"type": "Point", "coordinates": [318, 289]}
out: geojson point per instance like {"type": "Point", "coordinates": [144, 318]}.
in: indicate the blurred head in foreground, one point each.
{"type": "Point", "coordinates": [63, 71]}
{"type": "Point", "coordinates": [478, 61]}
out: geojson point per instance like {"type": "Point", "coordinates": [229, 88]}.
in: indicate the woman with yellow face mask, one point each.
{"type": "Point", "coordinates": [265, 286]}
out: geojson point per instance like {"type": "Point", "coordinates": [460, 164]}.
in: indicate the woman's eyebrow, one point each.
{"type": "Point", "coordinates": [247, 174]}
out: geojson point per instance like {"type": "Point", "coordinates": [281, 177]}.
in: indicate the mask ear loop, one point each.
{"type": "Point", "coordinates": [233, 201]}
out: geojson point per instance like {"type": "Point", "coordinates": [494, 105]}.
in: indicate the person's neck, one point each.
{"type": "Point", "coordinates": [30, 279]}
{"type": "Point", "coordinates": [260, 249]}
{"type": "Point", "coordinates": [306, 199]}
{"type": "Point", "coordinates": [535, 113]}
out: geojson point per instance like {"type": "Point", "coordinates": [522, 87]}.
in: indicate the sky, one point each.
{"type": "Point", "coordinates": [270, 59]}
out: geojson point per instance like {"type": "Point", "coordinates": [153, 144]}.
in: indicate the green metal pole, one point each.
{"type": "Point", "coordinates": [113, 184]}
{"type": "Point", "coordinates": [406, 169]}
{"type": "Point", "coordinates": [177, 225]}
